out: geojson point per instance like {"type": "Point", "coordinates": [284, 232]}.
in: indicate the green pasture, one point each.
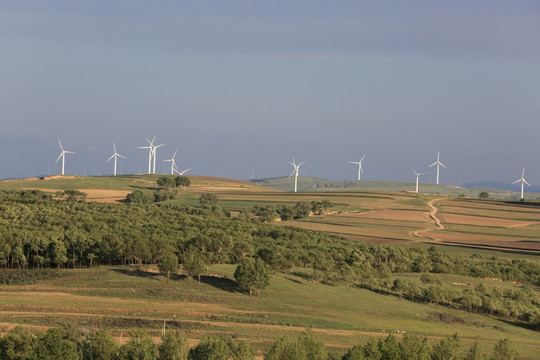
{"type": "Point", "coordinates": [122, 299]}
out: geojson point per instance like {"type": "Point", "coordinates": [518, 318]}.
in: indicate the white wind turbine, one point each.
{"type": "Point", "coordinates": [295, 172]}
{"type": "Point", "coordinates": [153, 149]}
{"type": "Point", "coordinates": [182, 172]}
{"type": "Point", "coordinates": [438, 163]}
{"type": "Point", "coordinates": [173, 163]}
{"type": "Point", "coordinates": [522, 181]}
{"type": "Point", "coordinates": [359, 163]}
{"type": "Point", "coordinates": [115, 156]}
{"type": "Point", "coordinates": [63, 156]}
{"type": "Point", "coordinates": [417, 176]}
{"type": "Point", "coordinates": [150, 152]}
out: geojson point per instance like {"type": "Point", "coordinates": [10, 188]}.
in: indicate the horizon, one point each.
{"type": "Point", "coordinates": [240, 89]}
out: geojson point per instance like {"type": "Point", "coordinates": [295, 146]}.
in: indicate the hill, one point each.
{"type": "Point", "coordinates": [307, 184]}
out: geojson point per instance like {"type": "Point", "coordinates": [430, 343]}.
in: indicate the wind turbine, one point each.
{"type": "Point", "coordinates": [417, 176]}
{"type": "Point", "coordinates": [153, 151]}
{"type": "Point", "coordinates": [173, 163]}
{"type": "Point", "coordinates": [438, 163]}
{"type": "Point", "coordinates": [115, 156]}
{"type": "Point", "coordinates": [63, 156]}
{"type": "Point", "coordinates": [359, 163]}
{"type": "Point", "coordinates": [295, 172]}
{"type": "Point", "coordinates": [150, 151]}
{"type": "Point", "coordinates": [182, 172]}
{"type": "Point", "coordinates": [522, 181]}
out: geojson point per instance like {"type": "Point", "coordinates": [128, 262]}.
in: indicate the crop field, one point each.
{"type": "Point", "coordinates": [122, 299]}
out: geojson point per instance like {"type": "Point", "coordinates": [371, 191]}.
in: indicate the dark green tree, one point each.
{"type": "Point", "coordinates": [475, 352]}
{"type": "Point", "coordinates": [504, 350]}
{"type": "Point", "coordinates": [52, 346]}
{"type": "Point", "coordinates": [15, 345]}
{"type": "Point", "coordinates": [140, 347]}
{"type": "Point", "coordinates": [195, 266]}
{"type": "Point", "coordinates": [286, 349]}
{"type": "Point", "coordinates": [166, 182]}
{"type": "Point", "coordinates": [168, 263]}
{"type": "Point", "coordinates": [182, 181]}
{"type": "Point", "coordinates": [252, 275]}
{"type": "Point", "coordinates": [208, 199]}
{"type": "Point", "coordinates": [483, 195]}
{"type": "Point", "coordinates": [174, 346]}
{"type": "Point", "coordinates": [447, 348]}
{"type": "Point", "coordinates": [100, 345]}
{"type": "Point", "coordinates": [210, 348]}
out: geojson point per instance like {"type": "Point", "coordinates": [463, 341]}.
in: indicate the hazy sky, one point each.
{"type": "Point", "coordinates": [239, 88]}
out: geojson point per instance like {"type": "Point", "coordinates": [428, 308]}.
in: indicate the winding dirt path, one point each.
{"type": "Point", "coordinates": [435, 218]}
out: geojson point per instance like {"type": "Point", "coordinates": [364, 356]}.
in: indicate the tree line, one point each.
{"type": "Point", "coordinates": [68, 343]}
{"type": "Point", "coordinates": [37, 231]}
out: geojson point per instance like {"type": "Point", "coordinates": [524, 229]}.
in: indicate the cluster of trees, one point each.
{"type": "Point", "coordinates": [68, 343]}
{"type": "Point", "coordinates": [167, 189]}
{"type": "Point", "coordinates": [285, 212]}
{"type": "Point", "coordinates": [37, 231]}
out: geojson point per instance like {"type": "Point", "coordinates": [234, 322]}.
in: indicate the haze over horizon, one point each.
{"type": "Point", "coordinates": [240, 88]}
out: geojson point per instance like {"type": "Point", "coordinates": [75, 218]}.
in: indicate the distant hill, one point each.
{"type": "Point", "coordinates": [500, 186]}
{"type": "Point", "coordinates": [307, 184]}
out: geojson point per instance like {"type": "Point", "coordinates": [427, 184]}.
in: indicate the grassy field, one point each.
{"type": "Point", "coordinates": [122, 299]}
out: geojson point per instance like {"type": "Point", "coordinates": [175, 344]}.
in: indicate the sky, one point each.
{"type": "Point", "coordinates": [240, 88]}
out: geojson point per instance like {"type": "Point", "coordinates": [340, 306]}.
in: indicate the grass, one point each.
{"type": "Point", "coordinates": [122, 299]}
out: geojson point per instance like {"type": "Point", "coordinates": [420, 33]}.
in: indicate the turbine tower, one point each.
{"type": "Point", "coordinates": [295, 172]}
{"type": "Point", "coordinates": [63, 156]}
{"type": "Point", "coordinates": [359, 163]}
{"type": "Point", "coordinates": [438, 163]}
{"type": "Point", "coordinates": [417, 176]}
{"type": "Point", "coordinates": [150, 151]}
{"type": "Point", "coordinates": [115, 156]}
{"type": "Point", "coordinates": [522, 181]}
{"type": "Point", "coordinates": [173, 163]}
{"type": "Point", "coordinates": [154, 147]}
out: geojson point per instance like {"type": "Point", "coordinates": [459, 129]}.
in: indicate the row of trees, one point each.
{"type": "Point", "coordinates": [300, 210]}
{"type": "Point", "coordinates": [69, 344]}
{"type": "Point", "coordinates": [167, 189]}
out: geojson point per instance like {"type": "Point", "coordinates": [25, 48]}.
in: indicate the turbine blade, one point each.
{"type": "Point", "coordinates": [442, 165]}
{"type": "Point", "coordinates": [59, 157]}
{"type": "Point", "coordinates": [292, 174]}
{"type": "Point", "coordinates": [432, 164]}
{"type": "Point", "coordinates": [123, 157]}
{"type": "Point", "coordinates": [363, 157]}
{"type": "Point", "coordinates": [515, 182]}
{"type": "Point", "coordinates": [525, 181]}
{"type": "Point", "coordinates": [301, 163]}
{"type": "Point", "coordinates": [109, 159]}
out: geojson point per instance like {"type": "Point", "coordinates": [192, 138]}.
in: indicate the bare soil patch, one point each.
{"type": "Point", "coordinates": [403, 215]}
{"type": "Point", "coordinates": [482, 221]}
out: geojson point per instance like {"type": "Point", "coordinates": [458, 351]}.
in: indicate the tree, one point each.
{"type": "Point", "coordinates": [504, 350]}
{"type": "Point", "coordinates": [474, 353]}
{"type": "Point", "coordinates": [355, 353]}
{"type": "Point", "coordinates": [15, 344]}
{"type": "Point", "coordinates": [313, 349]}
{"type": "Point", "coordinates": [210, 348]}
{"type": "Point", "coordinates": [52, 346]}
{"type": "Point", "coordinates": [447, 348]}
{"type": "Point", "coordinates": [100, 345]}
{"type": "Point", "coordinates": [195, 266]}
{"type": "Point", "coordinates": [483, 195]}
{"type": "Point", "coordinates": [390, 349]}
{"type": "Point", "coordinates": [285, 349]}
{"type": "Point", "coordinates": [414, 347]}
{"type": "Point", "coordinates": [166, 182]}
{"type": "Point", "coordinates": [168, 264]}
{"type": "Point", "coordinates": [182, 181]}
{"type": "Point", "coordinates": [208, 199]}
{"type": "Point", "coordinates": [174, 346]}
{"type": "Point", "coordinates": [140, 347]}
{"type": "Point", "coordinates": [252, 275]}
{"type": "Point", "coordinates": [239, 350]}
{"type": "Point", "coordinates": [138, 197]}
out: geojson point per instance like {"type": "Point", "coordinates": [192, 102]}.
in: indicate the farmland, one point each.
{"type": "Point", "coordinates": [341, 313]}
